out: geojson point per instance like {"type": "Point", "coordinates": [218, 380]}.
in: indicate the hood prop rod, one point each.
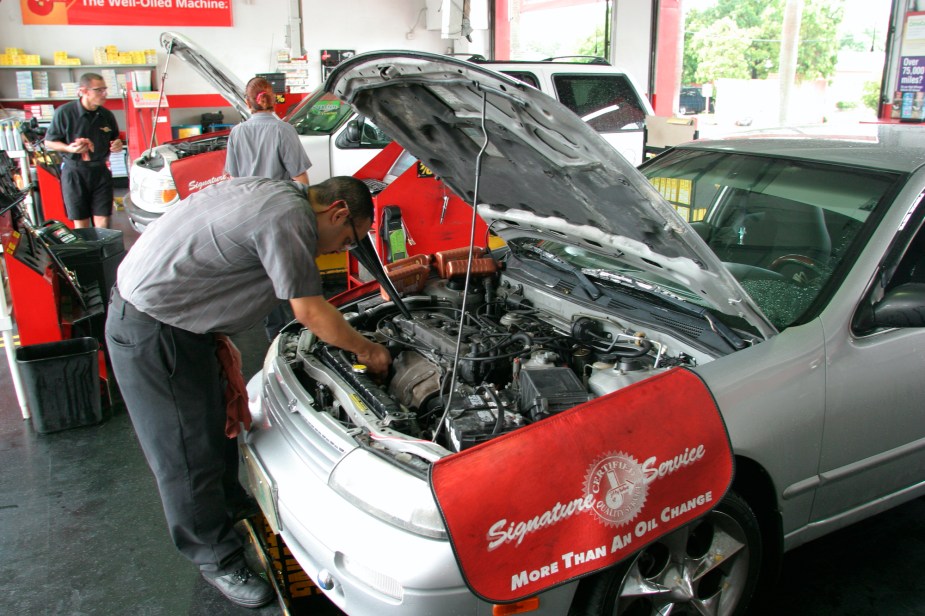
{"type": "Point", "coordinates": [160, 98]}
{"type": "Point", "coordinates": [465, 299]}
{"type": "Point", "coordinates": [366, 255]}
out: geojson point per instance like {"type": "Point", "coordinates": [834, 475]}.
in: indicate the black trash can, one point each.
{"type": "Point", "coordinates": [94, 258]}
{"type": "Point", "coordinates": [62, 383]}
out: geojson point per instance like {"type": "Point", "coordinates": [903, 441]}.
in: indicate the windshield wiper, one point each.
{"type": "Point", "coordinates": [563, 266]}
{"type": "Point", "coordinates": [676, 301]}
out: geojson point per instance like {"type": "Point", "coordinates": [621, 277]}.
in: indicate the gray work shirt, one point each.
{"type": "Point", "coordinates": [219, 259]}
{"type": "Point", "coordinates": [265, 146]}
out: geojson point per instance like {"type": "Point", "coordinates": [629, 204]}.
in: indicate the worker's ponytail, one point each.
{"type": "Point", "coordinates": [259, 95]}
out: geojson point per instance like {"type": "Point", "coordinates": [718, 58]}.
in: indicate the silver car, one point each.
{"type": "Point", "coordinates": [786, 271]}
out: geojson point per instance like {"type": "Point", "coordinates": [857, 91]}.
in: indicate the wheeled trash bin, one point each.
{"type": "Point", "coordinates": [62, 383]}
{"type": "Point", "coordinates": [94, 258]}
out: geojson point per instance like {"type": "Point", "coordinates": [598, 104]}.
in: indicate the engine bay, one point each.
{"type": "Point", "coordinates": [154, 159]}
{"type": "Point", "coordinates": [518, 361]}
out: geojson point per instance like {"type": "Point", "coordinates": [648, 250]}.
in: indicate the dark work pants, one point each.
{"type": "Point", "coordinates": [87, 189]}
{"type": "Point", "coordinates": [277, 319]}
{"type": "Point", "coordinates": [170, 381]}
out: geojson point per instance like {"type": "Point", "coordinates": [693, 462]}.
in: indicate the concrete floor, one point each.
{"type": "Point", "coordinates": [82, 533]}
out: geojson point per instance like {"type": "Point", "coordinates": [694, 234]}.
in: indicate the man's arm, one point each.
{"type": "Point", "coordinates": [327, 323]}
{"type": "Point", "coordinates": [302, 178]}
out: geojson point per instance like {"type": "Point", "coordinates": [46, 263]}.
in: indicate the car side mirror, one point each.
{"type": "Point", "coordinates": [352, 132]}
{"type": "Point", "coordinates": [903, 306]}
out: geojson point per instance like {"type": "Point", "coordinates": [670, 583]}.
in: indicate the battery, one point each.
{"type": "Point", "coordinates": [477, 423]}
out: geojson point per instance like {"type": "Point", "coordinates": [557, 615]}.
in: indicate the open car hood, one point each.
{"type": "Point", "coordinates": [544, 172]}
{"type": "Point", "coordinates": [209, 68]}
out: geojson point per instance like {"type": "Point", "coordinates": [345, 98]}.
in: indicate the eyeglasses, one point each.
{"type": "Point", "coordinates": [356, 236]}
{"type": "Point", "coordinates": [99, 89]}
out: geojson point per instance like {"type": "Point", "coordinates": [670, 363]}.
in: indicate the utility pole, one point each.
{"type": "Point", "coordinates": [789, 46]}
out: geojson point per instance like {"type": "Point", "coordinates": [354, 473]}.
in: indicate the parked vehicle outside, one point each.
{"type": "Point", "coordinates": [339, 141]}
{"type": "Point", "coordinates": [692, 101]}
{"type": "Point", "coordinates": [783, 270]}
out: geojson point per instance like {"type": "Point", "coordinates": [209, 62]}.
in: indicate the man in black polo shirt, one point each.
{"type": "Point", "coordinates": [86, 132]}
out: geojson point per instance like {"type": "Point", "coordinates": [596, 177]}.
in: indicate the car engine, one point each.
{"type": "Point", "coordinates": [517, 364]}
{"type": "Point", "coordinates": [155, 159]}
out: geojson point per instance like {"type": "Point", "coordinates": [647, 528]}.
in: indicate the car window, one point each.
{"type": "Point", "coordinates": [606, 102]}
{"type": "Point", "coordinates": [322, 113]}
{"type": "Point", "coordinates": [911, 266]}
{"type": "Point", "coordinates": [524, 76]}
{"type": "Point", "coordinates": [783, 228]}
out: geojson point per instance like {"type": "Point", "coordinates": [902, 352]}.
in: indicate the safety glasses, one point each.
{"type": "Point", "coordinates": [356, 236]}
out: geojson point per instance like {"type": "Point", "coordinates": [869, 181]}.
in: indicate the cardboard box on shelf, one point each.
{"type": "Point", "coordinates": [24, 84]}
{"type": "Point", "coordinates": [40, 111]}
{"type": "Point", "coordinates": [40, 84]}
{"type": "Point", "coordinates": [112, 82]}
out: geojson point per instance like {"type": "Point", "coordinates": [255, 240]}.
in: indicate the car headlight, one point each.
{"type": "Point", "coordinates": [157, 192]}
{"type": "Point", "coordinates": [388, 492]}
{"type": "Point", "coordinates": [259, 418]}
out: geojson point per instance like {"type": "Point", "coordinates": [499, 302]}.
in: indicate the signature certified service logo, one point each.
{"type": "Point", "coordinates": [617, 484]}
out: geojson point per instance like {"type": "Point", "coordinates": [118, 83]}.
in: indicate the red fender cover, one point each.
{"type": "Point", "coordinates": [584, 489]}
{"type": "Point", "coordinates": [193, 173]}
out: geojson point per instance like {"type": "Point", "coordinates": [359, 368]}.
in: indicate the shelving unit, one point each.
{"type": "Point", "coordinates": [73, 74]}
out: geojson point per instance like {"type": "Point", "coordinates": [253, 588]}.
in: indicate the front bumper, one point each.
{"type": "Point", "coordinates": [363, 564]}
{"type": "Point", "coordinates": [138, 217]}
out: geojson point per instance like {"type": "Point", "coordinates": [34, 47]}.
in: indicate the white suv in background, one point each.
{"type": "Point", "coordinates": [604, 96]}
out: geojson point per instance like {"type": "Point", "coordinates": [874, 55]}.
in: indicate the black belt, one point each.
{"type": "Point", "coordinates": [120, 306]}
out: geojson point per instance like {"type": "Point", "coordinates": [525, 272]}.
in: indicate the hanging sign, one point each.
{"type": "Point", "coordinates": [127, 12]}
{"type": "Point", "coordinates": [909, 98]}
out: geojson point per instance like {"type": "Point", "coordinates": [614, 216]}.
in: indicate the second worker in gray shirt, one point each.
{"type": "Point", "coordinates": [265, 146]}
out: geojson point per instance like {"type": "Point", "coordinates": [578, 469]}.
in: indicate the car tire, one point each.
{"type": "Point", "coordinates": [682, 572]}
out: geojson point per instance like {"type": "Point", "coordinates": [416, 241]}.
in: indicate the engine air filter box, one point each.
{"type": "Point", "coordinates": [547, 391]}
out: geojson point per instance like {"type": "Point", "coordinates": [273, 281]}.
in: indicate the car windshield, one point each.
{"type": "Point", "coordinates": [783, 228]}
{"type": "Point", "coordinates": [321, 113]}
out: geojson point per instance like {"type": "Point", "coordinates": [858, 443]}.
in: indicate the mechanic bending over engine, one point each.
{"type": "Point", "coordinates": [265, 146]}
{"type": "Point", "coordinates": [215, 264]}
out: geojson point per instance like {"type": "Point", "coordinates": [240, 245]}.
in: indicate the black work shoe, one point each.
{"type": "Point", "coordinates": [243, 587]}
{"type": "Point", "coordinates": [243, 509]}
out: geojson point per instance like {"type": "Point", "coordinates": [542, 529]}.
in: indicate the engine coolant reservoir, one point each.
{"type": "Point", "coordinates": [607, 378]}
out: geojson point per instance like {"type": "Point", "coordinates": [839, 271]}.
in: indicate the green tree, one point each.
{"type": "Point", "coordinates": [756, 26]}
{"type": "Point", "coordinates": [720, 52]}
{"type": "Point", "coordinates": [593, 45]}
{"type": "Point", "coordinates": [870, 95]}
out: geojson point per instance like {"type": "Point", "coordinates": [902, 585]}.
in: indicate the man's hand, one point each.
{"type": "Point", "coordinates": [377, 359]}
{"type": "Point", "coordinates": [80, 145]}
{"type": "Point", "coordinates": [324, 320]}
{"type": "Point", "coordinates": [115, 145]}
